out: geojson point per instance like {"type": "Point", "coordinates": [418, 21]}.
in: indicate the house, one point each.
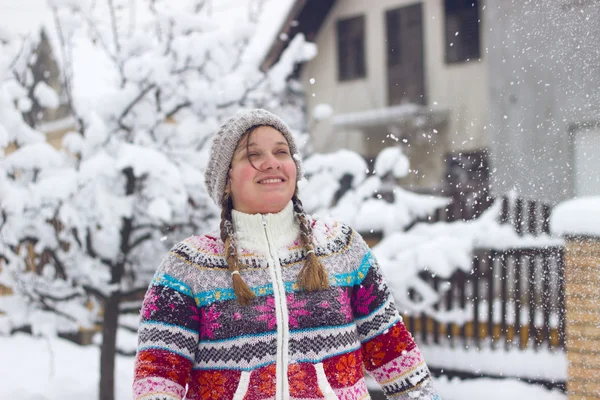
{"type": "Point", "coordinates": [463, 84]}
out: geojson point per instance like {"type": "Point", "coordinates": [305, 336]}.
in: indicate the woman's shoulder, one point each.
{"type": "Point", "coordinates": [330, 232]}
{"type": "Point", "coordinates": [209, 243]}
{"type": "Point", "coordinates": [199, 249]}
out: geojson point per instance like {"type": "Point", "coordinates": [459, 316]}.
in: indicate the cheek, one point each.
{"type": "Point", "coordinates": [291, 172]}
{"type": "Point", "coordinates": [242, 175]}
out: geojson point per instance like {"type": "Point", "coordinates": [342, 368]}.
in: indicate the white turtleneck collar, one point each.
{"type": "Point", "coordinates": [250, 228]}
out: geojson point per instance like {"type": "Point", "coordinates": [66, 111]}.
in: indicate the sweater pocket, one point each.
{"type": "Point", "coordinates": [323, 383]}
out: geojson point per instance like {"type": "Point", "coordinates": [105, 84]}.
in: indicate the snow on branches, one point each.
{"type": "Point", "coordinates": [147, 86]}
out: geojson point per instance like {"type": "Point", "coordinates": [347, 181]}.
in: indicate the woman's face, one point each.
{"type": "Point", "coordinates": [262, 177]}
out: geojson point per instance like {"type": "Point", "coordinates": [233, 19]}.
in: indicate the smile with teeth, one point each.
{"type": "Point", "coordinates": [278, 180]}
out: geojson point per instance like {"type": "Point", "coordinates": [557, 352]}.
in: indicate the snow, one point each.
{"type": "Point", "coordinates": [494, 389]}
{"type": "Point", "coordinates": [45, 95]}
{"type": "Point", "coordinates": [487, 388]}
{"type": "Point", "coordinates": [486, 232]}
{"type": "Point", "coordinates": [322, 111]}
{"type": "Point", "coordinates": [56, 125]}
{"type": "Point", "coordinates": [62, 370]}
{"type": "Point", "coordinates": [65, 371]}
{"type": "Point", "coordinates": [270, 24]}
{"type": "Point", "coordinates": [207, 66]}
{"type": "Point", "coordinates": [578, 216]}
{"type": "Point", "coordinates": [542, 364]}
{"type": "Point", "coordinates": [146, 103]}
{"type": "Point", "coordinates": [384, 116]}
{"type": "Point", "coordinates": [325, 172]}
{"type": "Point", "coordinates": [392, 160]}
{"type": "Point", "coordinates": [159, 208]}
{"type": "Point", "coordinates": [440, 248]}
{"type": "Point", "coordinates": [35, 156]}
{"type": "Point", "coordinates": [24, 16]}
{"type": "Point", "coordinates": [375, 116]}
{"type": "Point", "coordinates": [297, 50]}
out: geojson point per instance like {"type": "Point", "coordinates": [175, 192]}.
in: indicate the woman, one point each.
{"type": "Point", "coordinates": [277, 306]}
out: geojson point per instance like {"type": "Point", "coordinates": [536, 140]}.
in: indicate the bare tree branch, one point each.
{"type": "Point", "coordinates": [44, 296]}
{"type": "Point", "coordinates": [178, 108]}
{"type": "Point", "coordinates": [139, 241]}
{"type": "Point", "coordinates": [94, 292]}
{"type": "Point", "coordinates": [19, 53]}
{"type": "Point", "coordinates": [113, 23]}
{"type": "Point", "coordinates": [132, 104]}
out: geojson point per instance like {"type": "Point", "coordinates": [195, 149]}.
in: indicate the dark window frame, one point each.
{"type": "Point", "coordinates": [393, 47]}
{"type": "Point", "coordinates": [351, 48]}
{"type": "Point", "coordinates": [464, 17]}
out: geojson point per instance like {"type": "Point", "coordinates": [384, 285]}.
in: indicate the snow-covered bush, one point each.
{"type": "Point", "coordinates": [339, 185]}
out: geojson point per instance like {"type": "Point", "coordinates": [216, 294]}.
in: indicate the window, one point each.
{"type": "Point", "coordinates": [351, 48]}
{"type": "Point", "coordinates": [405, 66]}
{"type": "Point", "coordinates": [393, 28]}
{"type": "Point", "coordinates": [462, 30]}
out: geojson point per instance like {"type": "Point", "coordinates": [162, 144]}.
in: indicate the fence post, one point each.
{"type": "Point", "coordinates": [582, 287]}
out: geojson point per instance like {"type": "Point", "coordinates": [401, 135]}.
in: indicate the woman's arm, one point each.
{"type": "Point", "coordinates": [167, 336]}
{"type": "Point", "coordinates": [389, 352]}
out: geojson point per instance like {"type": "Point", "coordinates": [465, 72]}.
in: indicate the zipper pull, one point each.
{"type": "Point", "coordinates": [264, 221]}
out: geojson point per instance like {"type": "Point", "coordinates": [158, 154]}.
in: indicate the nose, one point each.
{"type": "Point", "coordinates": [270, 162]}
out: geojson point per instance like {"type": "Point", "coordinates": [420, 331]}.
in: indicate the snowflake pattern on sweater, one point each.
{"type": "Point", "coordinates": [197, 342]}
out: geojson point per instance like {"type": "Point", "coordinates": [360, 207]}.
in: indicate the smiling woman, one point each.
{"type": "Point", "coordinates": [262, 178]}
{"type": "Point", "coordinates": [265, 309]}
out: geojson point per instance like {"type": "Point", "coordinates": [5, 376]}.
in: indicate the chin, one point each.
{"type": "Point", "coordinates": [273, 206]}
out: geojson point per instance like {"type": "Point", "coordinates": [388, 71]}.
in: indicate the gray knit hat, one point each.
{"type": "Point", "coordinates": [226, 140]}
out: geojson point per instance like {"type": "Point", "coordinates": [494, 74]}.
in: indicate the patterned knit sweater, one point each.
{"type": "Point", "coordinates": [196, 342]}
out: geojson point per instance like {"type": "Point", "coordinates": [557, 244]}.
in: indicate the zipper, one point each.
{"type": "Point", "coordinates": [280, 312]}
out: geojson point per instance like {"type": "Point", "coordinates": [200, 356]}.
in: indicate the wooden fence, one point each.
{"type": "Point", "coordinates": [513, 296]}
{"type": "Point", "coordinates": [510, 299]}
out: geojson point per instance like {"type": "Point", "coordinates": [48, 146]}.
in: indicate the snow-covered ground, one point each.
{"type": "Point", "coordinates": [53, 369]}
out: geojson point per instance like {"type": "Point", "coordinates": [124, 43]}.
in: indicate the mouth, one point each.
{"type": "Point", "coordinates": [270, 181]}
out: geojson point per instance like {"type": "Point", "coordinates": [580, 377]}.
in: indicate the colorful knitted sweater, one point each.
{"type": "Point", "coordinates": [197, 342]}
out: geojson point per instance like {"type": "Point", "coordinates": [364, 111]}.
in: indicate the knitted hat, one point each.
{"type": "Point", "coordinates": [226, 140]}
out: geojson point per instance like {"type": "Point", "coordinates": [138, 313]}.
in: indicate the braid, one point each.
{"type": "Point", "coordinates": [313, 275]}
{"type": "Point", "coordinates": [243, 293]}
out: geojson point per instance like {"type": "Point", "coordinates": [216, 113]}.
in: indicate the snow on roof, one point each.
{"type": "Point", "coordinates": [576, 217]}
{"type": "Point", "coordinates": [387, 115]}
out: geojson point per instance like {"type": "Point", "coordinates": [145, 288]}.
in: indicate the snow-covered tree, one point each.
{"type": "Point", "coordinates": [148, 82]}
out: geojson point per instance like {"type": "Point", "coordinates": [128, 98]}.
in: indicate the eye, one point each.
{"type": "Point", "coordinates": [252, 154]}
{"type": "Point", "coordinates": [282, 151]}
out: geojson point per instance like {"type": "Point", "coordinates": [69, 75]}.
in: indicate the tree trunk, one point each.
{"type": "Point", "coordinates": [109, 347]}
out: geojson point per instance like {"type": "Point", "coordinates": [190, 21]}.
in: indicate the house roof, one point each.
{"type": "Point", "coordinates": [306, 17]}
